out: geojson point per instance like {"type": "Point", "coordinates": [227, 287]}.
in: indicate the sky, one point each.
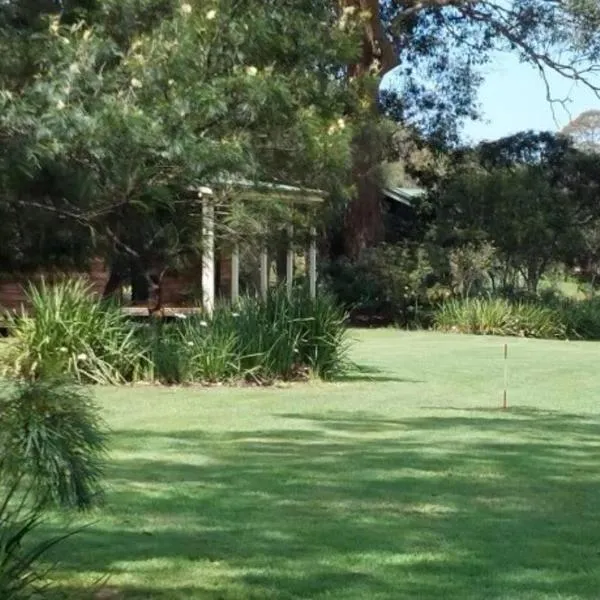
{"type": "Point", "coordinates": [513, 98]}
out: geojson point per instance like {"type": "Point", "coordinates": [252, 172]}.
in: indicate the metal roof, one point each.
{"type": "Point", "coordinates": [404, 195]}
{"type": "Point", "coordinates": [260, 190]}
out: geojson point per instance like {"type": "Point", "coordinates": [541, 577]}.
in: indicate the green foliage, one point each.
{"type": "Point", "coordinates": [470, 268]}
{"type": "Point", "coordinates": [51, 432]}
{"type": "Point", "coordinates": [530, 196]}
{"type": "Point", "coordinates": [259, 342]}
{"type": "Point", "coordinates": [494, 316]}
{"type": "Point", "coordinates": [581, 317]}
{"type": "Point", "coordinates": [109, 113]}
{"type": "Point", "coordinates": [21, 575]}
{"type": "Point", "coordinates": [397, 280]}
{"type": "Point", "coordinates": [69, 331]}
{"type": "Point", "coordinates": [290, 337]}
{"type": "Point", "coordinates": [194, 350]}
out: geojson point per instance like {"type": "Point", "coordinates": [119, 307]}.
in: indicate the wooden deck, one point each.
{"type": "Point", "coordinates": [167, 312]}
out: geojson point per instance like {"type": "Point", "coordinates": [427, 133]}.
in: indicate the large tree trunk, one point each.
{"type": "Point", "coordinates": [363, 224]}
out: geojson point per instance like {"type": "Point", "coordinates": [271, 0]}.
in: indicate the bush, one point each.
{"type": "Point", "coordinates": [50, 431]}
{"type": "Point", "coordinates": [288, 338]}
{"type": "Point", "coordinates": [21, 577]}
{"type": "Point", "coordinates": [69, 331]}
{"type": "Point", "coordinates": [193, 351]}
{"type": "Point", "coordinates": [280, 338]}
{"type": "Point", "coordinates": [494, 316]}
{"type": "Point", "coordinates": [581, 317]}
{"type": "Point", "coordinates": [389, 283]}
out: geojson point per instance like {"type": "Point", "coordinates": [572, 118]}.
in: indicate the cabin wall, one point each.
{"type": "Point", "coordinates": [13, 288]}
{"type": "Point", "coordinates": [181, 289]}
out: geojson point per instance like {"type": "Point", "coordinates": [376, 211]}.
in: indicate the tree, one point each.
{"type": "Point", "coordinates": [437, 47]}
{"type": "Point", "coordinates": [585, 131]}
{"type": "Point", "coordinates": [112, 111]}
{"type": "Point", "coordinates": [532, 196]}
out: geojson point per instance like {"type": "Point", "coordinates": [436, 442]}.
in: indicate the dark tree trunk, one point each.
{"type": "Point", "coordinates": [364, 222]}
{"type": "Point", "coordinates": [140, 288]}
{"type": "Point", "coordinates": [118, 275]}
{"type": "Point", "coordinates": [363, 225]}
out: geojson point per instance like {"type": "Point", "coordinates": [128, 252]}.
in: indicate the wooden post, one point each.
{"type": "Point", "coordinates": [289, 263]}
{"type": "Point", "coordinates": [264, 272]}
{"type": "Point", "coordinates": [312, 263]}
{"type": "Point", "coordinates": [208, 254]}
{"type": "Point", "coordinates": [505, 397]}
{"type": "Point", "coordinates": [235, 274]}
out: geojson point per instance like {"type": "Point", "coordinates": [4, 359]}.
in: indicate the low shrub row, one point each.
{"type": "Point", "coordinates": [496, 316]}
{"type": "Point", "coordinates": [548, 317]}
{"type": "Point", "coordinates": [69, 331]}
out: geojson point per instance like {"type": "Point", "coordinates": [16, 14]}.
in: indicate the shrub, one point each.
{"type": "Point", "coordinates": [288, 338]}
{"type": "Point", "coordinates": [390, 281]}
{"type": "Point", "coordinates": [69, 331]}
{"type": "Point", "coordinates": [280, 338]}
{"type": "Point", "coordinates": [581, 317]}
{"type": "Point", "coordinates": [494, 316]}
{"type": "Point", "coordinates": [21, 577]}
{"type": "Point", "coordinates": [51, 432]}
{"type": "Point", "coordinates": [323, 344]}
{"type": "Point", "coordinates": [194, 350]}
{"type": "Point", "coordinates": [211, 347]}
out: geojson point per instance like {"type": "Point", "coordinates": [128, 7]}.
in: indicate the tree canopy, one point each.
{"type": "Point", "coordinates": [584, 130]}
{"type": "Point", "coordinates": [436, 50]}
{"type": "Point", "coordinates": [533, 197]}
{"type": "Point", "coordinates": [112, 111]}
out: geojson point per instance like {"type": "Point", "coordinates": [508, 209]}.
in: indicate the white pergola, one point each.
{"type": "Point", "coordinates": [249, 191]}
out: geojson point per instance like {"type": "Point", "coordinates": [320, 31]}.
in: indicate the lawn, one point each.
{"type": "Point", "coordinates": [403, 481]}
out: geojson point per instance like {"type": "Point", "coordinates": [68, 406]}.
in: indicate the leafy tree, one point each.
{"type": "Point", "coordinates": [532, 196]}
{"type": "Point", "coordinates": [585, 131]}
{"type": "Point", "coordinates": [117, 109]}
{"type": "Point", "coordinates": [436, 49]}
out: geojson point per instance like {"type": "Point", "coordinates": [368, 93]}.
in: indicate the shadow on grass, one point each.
{"type": "Point", "coordinates": [466, 507]}
{"type": "Point", "coordinates": [368, 373]}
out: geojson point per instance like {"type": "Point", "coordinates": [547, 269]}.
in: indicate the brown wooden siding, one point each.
{"type": "Point", "coordinates": [181, 289]}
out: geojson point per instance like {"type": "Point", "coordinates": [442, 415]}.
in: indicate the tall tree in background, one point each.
{"type": "Point", "coordinates": [532, 196]}
{"type": "Point", "coordinates": [436, 48]}
{"type": "Point", "coordinates": [584, 130]}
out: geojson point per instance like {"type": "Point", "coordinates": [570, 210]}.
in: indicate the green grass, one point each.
{"type": "Point", "coordinates": [403, 482]}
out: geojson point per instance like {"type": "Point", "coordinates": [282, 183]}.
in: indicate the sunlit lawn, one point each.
{"type": "Point", "coordinates": [405, 481]}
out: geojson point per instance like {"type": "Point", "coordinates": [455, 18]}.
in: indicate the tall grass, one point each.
{"type": "Point", "coordinates": [495, 316]}
{"type": "Point", "coordinates": [51, 432]}
{"type": "Point", "coordinates": [68, 331]}
{"type": "Point", "coordinates": [22, 576]}
{"type": "Point", "coordinates": [581, 317]}
{"type": "Point", "coordinates": [260, 342]}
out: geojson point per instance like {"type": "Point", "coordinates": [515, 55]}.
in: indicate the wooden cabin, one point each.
{"type": "Point", "coordinates": [215, 275]}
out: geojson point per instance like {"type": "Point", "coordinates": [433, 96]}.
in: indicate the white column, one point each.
{"type": "Point", "coordinates": [289, 262]}
{"type": "Point", "coordinates": [312, 263]}
{"type": "Point", "coordinates": [208, 254]}
{"type": "Point", "coordinates": [264, 272]}
{"type": "Point", "coordinates": [235, 274]}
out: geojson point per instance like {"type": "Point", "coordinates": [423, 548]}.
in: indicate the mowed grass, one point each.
{"type": "Point", "coordinates": [404, 481]}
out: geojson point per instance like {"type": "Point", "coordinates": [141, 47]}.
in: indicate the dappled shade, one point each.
{"type": "Point", "coordinates": [463, 504]}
